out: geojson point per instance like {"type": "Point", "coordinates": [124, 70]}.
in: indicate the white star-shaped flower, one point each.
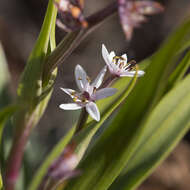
{"type": "Point", "coordinates": [118, 65]}
{"type": "Point", "coordinates": [88, 92]}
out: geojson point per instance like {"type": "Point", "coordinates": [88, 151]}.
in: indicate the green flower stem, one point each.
{"type": "Point", "coordinates": [82, 120]}
{"type": "Point", "coordinates": [109, 81]}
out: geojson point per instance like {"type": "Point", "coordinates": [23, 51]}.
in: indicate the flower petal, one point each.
{"type": "Point", "coordinates": [89, 88]}
{"type": "Point", "coordinates": [125, 57]}
{"type": "Point", "coordinates": [104, 93]}
{"type": "Point", "coordinates": [92, 109]}
{"type": "Point", "coordinates": [111, 56]}
{"type": "Point", "coordinates": [98, 81]}
{"type": "Point", "coordinates": [81, 78]}
{"type": "Point", "coordinates": [132, 73]}
{"type": "Point", "coordinates": [69, 91]}
{"type": "Point", "coordinates": [70, 106]}
{"type": "Point", "coordinates": [105, 54]}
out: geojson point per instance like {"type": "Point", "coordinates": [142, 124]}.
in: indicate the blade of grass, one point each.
{"type": "Point", "coordinates": [165, 127]}
{"type": "Point", "coordinates": [179, 72]}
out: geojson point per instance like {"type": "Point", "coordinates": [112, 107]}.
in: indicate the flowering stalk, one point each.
{"type": "Point", "coordinates": [28, 117]}
{"type": "Point", "coordinates": [82, 120]}
{"type": "Point", "coordinates": [29, 92]}
{"type": "Point", "coordinates": [109, 81]}
{"type": "Point", "coordinates": [24, 127]}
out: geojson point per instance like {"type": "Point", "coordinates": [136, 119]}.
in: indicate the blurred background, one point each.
{"type": "Point", "coordinates": [20, 23]}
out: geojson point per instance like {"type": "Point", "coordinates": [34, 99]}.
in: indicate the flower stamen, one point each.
{"type": "Point", "coordinates": [88, 79]}
{"type": "Point", "coordinates": [131, 65]}
{"type": "Point", "coordinates": [117, 59]}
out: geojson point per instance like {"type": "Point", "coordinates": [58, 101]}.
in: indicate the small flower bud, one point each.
{"type": "Point", "coordinates": [64, 166]}
{"type": "Point", "coordinates": [71, 16]}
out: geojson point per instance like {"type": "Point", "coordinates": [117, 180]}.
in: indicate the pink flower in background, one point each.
{"type": "Point", "coordinates": [132, 13]}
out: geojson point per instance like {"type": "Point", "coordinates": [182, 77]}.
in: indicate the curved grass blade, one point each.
{"type": "Point", "coordinates": [1, 183]}
{"type": "Point", "coordinates": [5, 114]}
{"type": "Point", "coordinates": [179, 72]}
{"type": "Point", "coordinates": [165, 127]}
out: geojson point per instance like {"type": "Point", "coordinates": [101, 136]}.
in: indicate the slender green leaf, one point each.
{"type": "Point", "coordinates": [4, 115]}
{"type": "Point", "coordinates": [113, 150]}
{"type": "Point", "coordinates": [47, 90]}
{"type": "Point", "coordinates": [179, 72]}
{"type": "Point", "coordinates": [166, 125]}
{"type": "Point", "coordinates": [30, 89]}
{"type": "Point", "coordinates": [1, 182]}
{"type": "Point", "coordinates": [30, 86]}
{"type": "Point", "coordinates": [51, 157]}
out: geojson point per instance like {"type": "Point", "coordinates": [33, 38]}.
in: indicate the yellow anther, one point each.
{"type": "Point", "coordinates": [75, 99]}
{"type": "Point", "coordinates": [88, 79]}
{"type": "Point", "coordinates": [132, 65]}
{"type": "Point", "coordinates": [94, 90]}
{"type": "Point", "coordinates": [117, 59]}
{"type": "Point", "coordinates": [79, 78]}
{"type": "Point", "coordinates": [84, 100]}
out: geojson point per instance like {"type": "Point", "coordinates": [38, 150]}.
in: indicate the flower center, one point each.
{"type": "Point", "coordinates": [120, 62]}
{"type": "Point", "coordinates": [81, 98]}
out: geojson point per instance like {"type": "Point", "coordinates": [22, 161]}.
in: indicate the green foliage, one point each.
{"type": "Point", "coordinates": [180, 71]}
{"type": "Point", "coordinates": [1, 183]}
{"type": "Point", "coordinates": [31, 94]}
{"type": "Point", "coordinates": [82, 140]}
{"type": "Point", "coordinates": [107, 107]}
{"type": "Point", "coordinates": [30, 87]}
{"type": "Point", "coordinates": [163, 129]}
{"type": "Point", "coordinates": [5, 114]}
{"type": "Point", "coordinates": [150, 115]}
{"type": "Point", "coordinates": [106, 160]}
